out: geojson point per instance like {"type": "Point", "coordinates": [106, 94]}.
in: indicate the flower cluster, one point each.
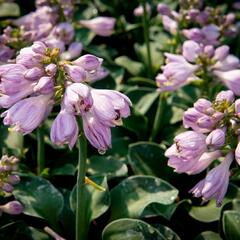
{"type": "Point", "coordinates": [40, 80]}
{"type": "Point", "coordinates": [212, 25]}
{"type": "Point", "coordinates": [199, 62]}
{"type": "Point", "coordinates": [64, 7]}
{"type": "Point", "coordinates": [214, 135]}
{"type": "Point", "coordinates": [8, 165]}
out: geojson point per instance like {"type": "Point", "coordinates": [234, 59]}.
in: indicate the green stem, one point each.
{"type": "Point", "coordinates": [146, 37]}
{"type": "Point", "coordinates": [158, 117]}
{"type": "Point", "coordinates": [40, 150]}
{"type": "Point", "coordinates": [81, 231]}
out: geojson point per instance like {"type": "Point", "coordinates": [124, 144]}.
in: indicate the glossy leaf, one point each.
{"type": "Point", "coordinates": [130, 229]}
{"type": "Point", "coordinates": [39, 198]}
{"type": "Point", "coordinates": [132, 195]}
{"type": "Point", "coordinates": [231, 221]}
{"type": "Point", "coordinates": [97, 201]}
{"type": "Point", "coordinates": [148, 159]}
{"type": "Point", "coordinates": [109, 166]}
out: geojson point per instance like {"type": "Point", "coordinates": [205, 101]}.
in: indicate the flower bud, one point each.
{"type": "Point", "coordinates": [13, 208]}
{"type": "Point", "coordinates": [44, 86]}
{"type": "Point", "coordinates": [51, 69]}
{"type": "Point", "coordinates": [88, 62]}
{"type": "Point", "coordinates": [225, 95]}
{"type": "Point", "coordinates": [34, 74]}
{"type": "Point", "coordinates": [76, 73]}
{"type": "Point", "coordinates": [6, 187]}
{"type": "Point", "coordinates": [216, 138]}
{"type": "Point", "coordinates": [13, 179]}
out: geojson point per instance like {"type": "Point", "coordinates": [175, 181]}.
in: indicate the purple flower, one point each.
{"type": "Point", "coordinates": [33, 74]}
{"type": "Point", "coordinates": [138, 11]}
{"type": "Point", "coordinates": [216, 182]}
{"type": "Point", "coordinates": [45, 85]}
{"type": "Point", "coordinates": [229, 63]}
{"type": "Point", "coordinates": [191, 50]}
{"type": "Point", "coordinates": [88, 62]}
{"type": "Point", "coordinates": [216, 139]}
{"type": "Point", "coordinates": [13, 208]}
{"type": "Point", "coordinates": [63, 31]}
{"type": "Point", "coordinates": [237, 107]}
{"type": "Point", "coordinates": [225, 96]}
{"type": "Point", "coordinates": [110, 106]}
{"type": "Point", "coordinates": [55, 43]}
{"type": "Point", "coordinates": [163, 9]}
{"type": "Point", "coordinates": [98, 134]}
{"type": "Point", "coordinates": [202, 117]}
{"type": "Point", "coordinates": [77, 98]}
{"type": "Point", "coordinates": [6, 53]}
{"type": "Point", "coordinates": [102, 26]}
{"type": "Point", "coordinates": [188, 144]}
{"type": "Point", "coordinates": [221, 53]}
{"type": "Point", "coordinates": [231, 79]}
{"type": "Point", "coordinates": [51, 69]}
{"type": "Point", "coordinates": [208, 35]}
{"type": "Point", "coordinates": [176, 73]}
{"type": "Point", "coordinates": [169, 24]}
{"type": "Point", "coordinates": [76, 73]}
{"type": "Point", "coordinates": [237, 153]}
{"type": "Point", "coordinates": [189, 153]}
{"type": "Point", "coordinates": [28, 114]}
{"type": "Point", "coordinates": [193, 165]}
{"type": "Point", "coordinates": [74, 50]}
{"type": "Point", "coordinates": [64, 129]}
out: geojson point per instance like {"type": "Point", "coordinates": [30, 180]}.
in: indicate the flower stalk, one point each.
{"type": "Point", "coordinates": [158, 117]}
{"type": "Point", "coordinates": [40, 151]}
{"type": "Point", "coordinates": [146, 37]}
{"type": "Point", "coordinates": [81, 232]}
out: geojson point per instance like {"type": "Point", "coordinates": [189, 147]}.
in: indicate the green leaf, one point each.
{"type": "Point", "coordinates": [231, 221]}
{"type": "Point", "coordinates": [119, 146]}
{"type": "Point", "coordinates": [37, 235]}
{"type": "Point", "coordinates": [142, 81]}
{"type": "Point", "coordinates": [66, 169]}
{"type": "Point", "coordinates": [146, 102]}
{"type": "Point", "coordinates": [133, 67]}
{"type": "Point", "coordinates": [208, 235]}
{"type": "Point", "coordinates": [109, 166]}
{"type": "Point", "coordinates": [133, 194]}
{"type": "Point", "coordinates": [97, 201]}
{"type": "Point", "coordinates": [166, 211]}
{"type": "Point", "coordinates": [14, 142]}
{"type": "Point", "coordinates": [211, 213]}
{"type": "Point", "coordinates": [130, 229]}
{"type": "Point", "coordinates": [39, 198]}
{"type": "Point", "coordinates": [208, 213]}
{"type": "Point", "coordinates": [156, 54]}
{"type": "Point", "coordinates": [148, 159]}
{"type": "Point", "coordinates": [84, 36]}
{"type": "Point", "coordinates": [167, 232]}
{"type": "Point", "coordinates": [136, 123]}
{"type": "Point", "coordinates": [9, 9]}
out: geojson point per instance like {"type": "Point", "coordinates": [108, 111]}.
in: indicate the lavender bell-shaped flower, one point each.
{"type": "Point", "coordinates": [231, 79]}
{"type": "Point", "coordinates": [102, 26]}
{"type": "Point", "coordinates": [216, 182]}
{"type": "Point", "coordinates": [28, 114]}
{"type": "Point", "coordinates": [64, 129]}
{"type": "Point", "coordinates": [189, 153]}
{"type": "Point", "coordinates": [176, 73]}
